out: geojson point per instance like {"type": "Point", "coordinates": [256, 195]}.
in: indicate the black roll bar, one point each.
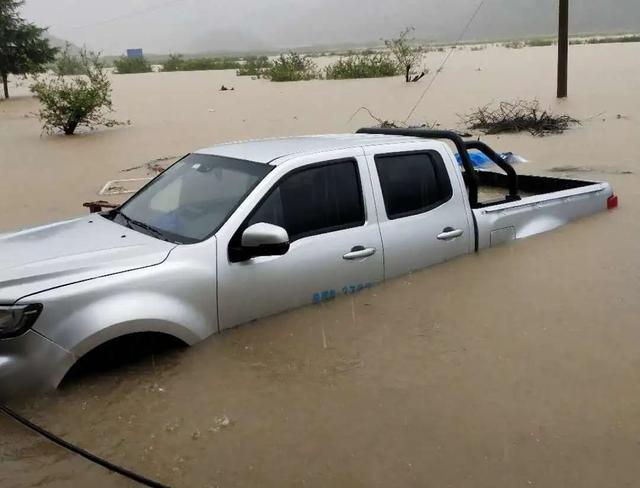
{"type": "Point", "coordinates": [472, 176]}
{"type": "Point", "coordinates": [461, 146]}
{"type": "Point", "coordinates": [512, 176]}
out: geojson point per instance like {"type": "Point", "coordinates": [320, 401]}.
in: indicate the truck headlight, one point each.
{"type": "Point", "coordinates": [17, 319]}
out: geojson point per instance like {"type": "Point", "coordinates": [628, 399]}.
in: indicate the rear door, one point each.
{"type": "Point", "coordinates": [423, 217]}
{"type": "Point", "coordinates": [326, 205]}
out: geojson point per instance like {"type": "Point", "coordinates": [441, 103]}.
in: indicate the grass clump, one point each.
{"type": "Point", "coordinates": [292, 67]}
{"type": "Point", "coordinates": [71, 102]}
{"type": "Point", "coordinates": [362, 66]}
{"type": "Point", "coordinates": [126, 65]}
{"type": "Point", "coordinates": [254, 66]}
{"type": "Point", "coordinates": [518, 116]}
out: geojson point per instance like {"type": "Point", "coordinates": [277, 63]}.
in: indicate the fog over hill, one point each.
{"type": "Point", "coordinates": [237, 25]}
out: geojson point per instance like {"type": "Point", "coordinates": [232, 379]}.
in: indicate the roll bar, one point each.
{"type": "Point", "coordinates": [462, 147]}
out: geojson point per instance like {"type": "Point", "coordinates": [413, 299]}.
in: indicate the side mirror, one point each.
{"type": "Point", "coordinates": [264, 240]}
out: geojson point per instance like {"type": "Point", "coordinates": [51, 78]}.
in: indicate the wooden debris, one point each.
{"type": "Point", "coordinates": [518, 116]}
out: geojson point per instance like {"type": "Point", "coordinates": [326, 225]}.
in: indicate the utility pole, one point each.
{"type": "Point", "coordinates": [563, 49]}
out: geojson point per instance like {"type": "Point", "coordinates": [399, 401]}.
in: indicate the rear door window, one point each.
{"type": "Point", "coordinates": [315, 200]}
{"type": "Point", "coordinates": [412, 183]}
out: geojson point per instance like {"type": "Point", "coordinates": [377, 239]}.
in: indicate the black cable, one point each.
{"type": "Point", "coordinates": [128, 15]}
{"type": "Point", "coordinates": [81, 452]}
{"type": "Point", "coordinates": [453, 48]}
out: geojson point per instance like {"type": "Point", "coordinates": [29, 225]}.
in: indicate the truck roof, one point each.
{"type": "Point", "coordinates": [269, 150]}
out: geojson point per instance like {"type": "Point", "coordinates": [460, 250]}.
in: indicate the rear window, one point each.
{"type": "Point", "coordinates": [412, 183]}
{"type": "Point", "coordinates": [323, 198]}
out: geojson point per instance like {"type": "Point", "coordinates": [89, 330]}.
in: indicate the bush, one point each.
{"type": "Point", "coordinates": [610, 40]}
{"type": "Point", "coordinates": [292, 67]}
{"type": "Point", "coordinates": [362, 66]}
{"type": "Point", "coordinates": [540, 42]}
{"type": "Point", "coordinates": [79, 101]}
{"type": "Point", "coordinates": [177, 63]}
{"type": "Point", "coordinates": [126, 65]}
{"type": "Point", "coordinates": [67, 63]}
{"type": "Point", "coordinates": [254, 66]}
{"type": "Point", "coordinates": [515, 45]}
{"type": "Point", "coordinates": [173, 63]}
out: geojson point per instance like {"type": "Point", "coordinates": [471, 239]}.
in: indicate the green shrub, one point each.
{"type": "Point", "coordinates": [67, 63]}
{"type": "Point", "coordinates": [254, 66]}
{"type": "Point", "coordinates": [610, 40]}
{"type": "Point", "coordinates": [177, 63]}
{"type": "Point", "coordinates": [173, 63]}
{"type": "Point", "coordinates": [362, 66]}
{"type": "Point", "coordinates": [126, 65]}
{"type": "Point", "coordinates": [540, 42]}
{"type": "Point", "coordinates": [515, 45]}
{"type": "Point", "coordinates": [70, 102]}
{"type": "Point", "coordinates": [292, 67]}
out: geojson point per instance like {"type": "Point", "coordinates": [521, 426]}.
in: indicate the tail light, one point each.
{"type": "Point", "coordinates": [612, 202]}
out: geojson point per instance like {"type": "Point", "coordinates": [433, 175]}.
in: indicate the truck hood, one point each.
{"type": "Point", "coordinates": [62, 253]}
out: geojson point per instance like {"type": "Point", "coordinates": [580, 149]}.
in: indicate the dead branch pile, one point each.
{"type": "Point", "coordinates": [518, 116]}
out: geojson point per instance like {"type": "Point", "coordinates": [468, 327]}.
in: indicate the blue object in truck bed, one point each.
{"type": "Point", "coordinates": [479, 159]}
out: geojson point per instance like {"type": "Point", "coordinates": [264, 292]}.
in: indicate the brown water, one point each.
{"type": "Point", "coordinates": [518, 366]}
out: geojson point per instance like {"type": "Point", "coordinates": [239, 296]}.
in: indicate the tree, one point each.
{"type": "Point", "coordinates": [70, 102]}
{"type": "Point", "coordinates": [23, 48]}
{"type": "Point", "coordinates": [68, 63]}
{"type": "Point", "coordinates": [407, 56]}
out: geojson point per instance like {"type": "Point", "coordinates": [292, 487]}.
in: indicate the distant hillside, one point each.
{"type": "Point", "coordinates": [271, 25]}
{"type": "Point", "coordinates": [60, 43]}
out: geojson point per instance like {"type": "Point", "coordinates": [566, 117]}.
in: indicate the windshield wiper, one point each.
{"type": "Point", "coordinates": [157, 232]}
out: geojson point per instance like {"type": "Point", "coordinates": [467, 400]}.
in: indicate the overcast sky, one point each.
{"type": "Point", "coordinates": [163, 26]}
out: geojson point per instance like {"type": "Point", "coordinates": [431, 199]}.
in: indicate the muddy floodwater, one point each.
{"type": "Point", "coordinates": [518, 366]}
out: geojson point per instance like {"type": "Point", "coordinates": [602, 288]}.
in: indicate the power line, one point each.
{"type": "Point", "coordinates": [138, 478]}
{"type": "Point", "coordinates": [127, 15]}
{"type": "Point", "coordinates": [453, 48]}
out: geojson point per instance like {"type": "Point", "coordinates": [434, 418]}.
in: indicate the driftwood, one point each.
{"type": "Point", "coordinates": [97, 206]}
{"type": "Point", "coordinates": [518, 116]}
{"type": "Point", "coordinates": [416, 78]}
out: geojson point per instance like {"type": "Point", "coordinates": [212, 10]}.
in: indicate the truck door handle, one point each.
{"type": "Point", "coordinates": [449, 233]}
{"type": "Point", "coordinates": [359, 252]}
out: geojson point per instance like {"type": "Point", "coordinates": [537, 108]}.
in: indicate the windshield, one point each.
{"type": "Point", "coordinates": [193, 198]}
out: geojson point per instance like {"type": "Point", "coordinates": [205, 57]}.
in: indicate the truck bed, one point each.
{"type": "Point", "coordinates": [493, 187]}
{"type": "Point", "coordinates": [545, 203]}
{"type": "Point", "coordinates": [514, 206]}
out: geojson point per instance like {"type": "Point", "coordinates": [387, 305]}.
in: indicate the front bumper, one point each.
{"type": "Point", "coordinates": [31, 363]}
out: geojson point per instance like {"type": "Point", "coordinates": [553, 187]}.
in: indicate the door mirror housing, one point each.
{"type": "Point", "coordinates": [264, 239]}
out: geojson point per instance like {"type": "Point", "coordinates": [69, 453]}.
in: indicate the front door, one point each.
{"type": "Point", "coordinates": [326, 205]}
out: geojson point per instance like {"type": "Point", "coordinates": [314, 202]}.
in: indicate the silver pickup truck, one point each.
{"type": "Point", "coordinates": [244, 230]}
